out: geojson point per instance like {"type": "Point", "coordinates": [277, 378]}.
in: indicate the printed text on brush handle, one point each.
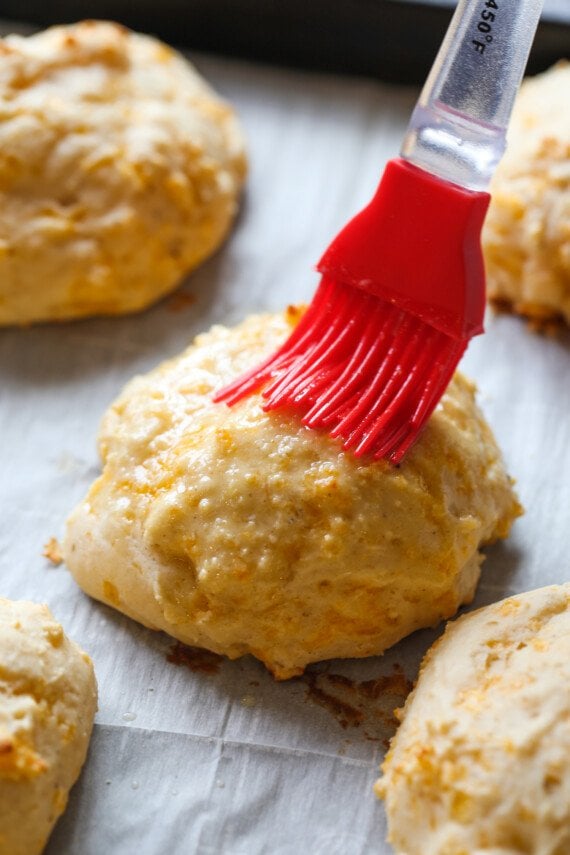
{"type": "Point", "coordinates": [458, 128]}
{"type": "Point", "coordinates": [485, 26]}
{"type": "Point", "coordinates": [481, 84]}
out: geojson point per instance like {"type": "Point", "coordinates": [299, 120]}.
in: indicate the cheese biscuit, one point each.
{"type": "Point", "coordinates": [120, 171]}
{"type": "Point", "coordinates": [481, 761]}
{"type": "Point", "coordinates": [526, 238]}
{"type": "Point", "coordinates": [48, 698]}
{"type": "Point", "coordinates": [245, 532]}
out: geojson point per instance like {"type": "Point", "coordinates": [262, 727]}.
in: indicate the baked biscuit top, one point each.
{"type": "Point", "coordinates": [120, 170]}
{"type": "Point", "coordinates": [247, 532]}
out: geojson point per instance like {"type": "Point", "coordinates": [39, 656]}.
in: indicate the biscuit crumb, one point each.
{"type": "Point", "coordinates": [354, 703]}
{"type": "Point", "coordinates": [180, 301]}
{"type": "Point", "coordinates": [197, 659]}
{"type": "Point", "coordinates": [52, 551]}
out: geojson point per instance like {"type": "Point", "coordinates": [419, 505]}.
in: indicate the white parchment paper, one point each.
{"type": "Point", "coordinates": [233, 762]}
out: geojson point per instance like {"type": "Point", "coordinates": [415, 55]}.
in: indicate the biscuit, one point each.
{"type": "Point", "coordinates": [48, 698]}
{"type": "Point", "coordinates": [481, 761]}
{"type": "Point", "coordinates": [120, 171]}
{"type": "Point", "coordinates": [245, 532]}
{"type": "Point", "coordinates": [526, 237]}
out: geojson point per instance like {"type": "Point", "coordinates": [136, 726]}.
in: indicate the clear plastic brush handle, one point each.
{"type": "Point", "coordinates": [458, 128]}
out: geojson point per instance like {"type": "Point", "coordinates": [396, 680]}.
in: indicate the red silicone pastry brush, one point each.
{"type": "Point", "coordinates": [403, 287]}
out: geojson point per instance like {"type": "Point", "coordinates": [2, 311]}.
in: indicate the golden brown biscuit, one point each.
{"type": "Point", "coordinates": [120, 170]}
{"type": "Point", "coordinates": [481, 762]}
{"type": "Point", "coordinates": [245, 532]}
{"type": "Point", "coordinates": [526, 238]}
{"type": "Point", "coordinates": [48, 699]}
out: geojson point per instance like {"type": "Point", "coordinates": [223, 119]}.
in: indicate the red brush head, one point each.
{"type": "Point", "coordinates": [417, 245]}
{"type": "Point", "coordinates": [402, 292]}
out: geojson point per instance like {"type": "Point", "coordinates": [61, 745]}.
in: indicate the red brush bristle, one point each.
{"type": "Point", "coordinates": [402, 292]}
{"type": "Point", "coordinates": [299, 342]}
{"type": "Point", "coordinates": [359, 367]}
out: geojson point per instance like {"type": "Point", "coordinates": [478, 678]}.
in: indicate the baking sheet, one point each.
{"type": "Point", "coordinates": [393, 40]}
{"type": "Point", "coordinates": [185, 761]}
